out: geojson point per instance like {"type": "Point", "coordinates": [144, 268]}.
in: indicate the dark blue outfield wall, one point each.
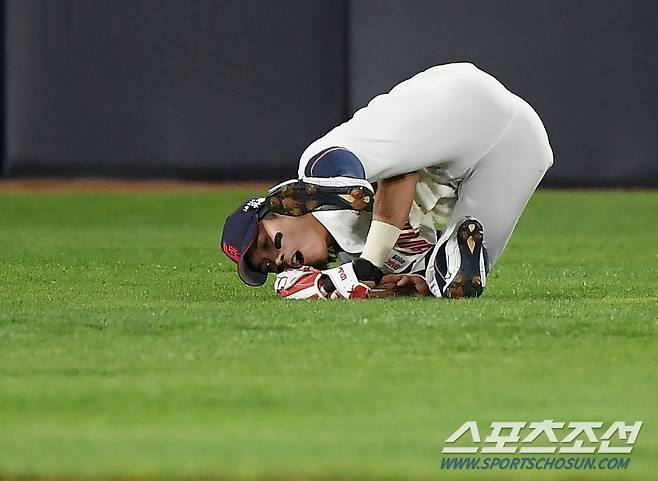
{"type": "Point", "coordinates": [201, 89]}
{"type": "Point", "coordinates": [236, 89]}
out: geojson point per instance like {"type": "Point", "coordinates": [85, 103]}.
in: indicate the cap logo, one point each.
{"type": "Point", "coordinates": [231, 251]}
{"type": "Point", "coordinates": [253, 204]}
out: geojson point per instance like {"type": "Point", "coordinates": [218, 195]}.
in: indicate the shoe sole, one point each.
{"type": "Point", "coordinates": [300, 198]}
{"type": "Point", "coordinates": [468, 282]}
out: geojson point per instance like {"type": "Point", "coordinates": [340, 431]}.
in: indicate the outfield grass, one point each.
{"type": "Point", "coordinates": [129, 349]}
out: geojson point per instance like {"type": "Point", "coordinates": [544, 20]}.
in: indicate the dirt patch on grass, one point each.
{"type": "Point", "coordinates": [123, 185]}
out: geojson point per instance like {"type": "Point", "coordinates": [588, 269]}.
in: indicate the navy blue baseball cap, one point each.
{"type": "Point", "coordinates": [240, 232]}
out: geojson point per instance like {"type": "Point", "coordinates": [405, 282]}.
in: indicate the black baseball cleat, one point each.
{"type": "Point", "coordinates": [461, 264]}
{"type": "Point", "coordinates": [299, 197]}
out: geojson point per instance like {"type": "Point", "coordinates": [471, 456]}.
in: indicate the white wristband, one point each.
{"type": "Point", "coordinates": [379, 243]}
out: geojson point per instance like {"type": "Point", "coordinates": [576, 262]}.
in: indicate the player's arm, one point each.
{"type": "Point", "coordinates": [394, 198]}
{"type": "Point", "coordinates": [390, 214]}
{"type": "Point", "coordinates": [390, 210]}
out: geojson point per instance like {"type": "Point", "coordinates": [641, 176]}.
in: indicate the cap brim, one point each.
{"type": "Point", "coordinates": [249, 276]}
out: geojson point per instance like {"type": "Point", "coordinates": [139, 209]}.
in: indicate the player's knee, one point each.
{"type": "Point", "coordinates": [548, 158]}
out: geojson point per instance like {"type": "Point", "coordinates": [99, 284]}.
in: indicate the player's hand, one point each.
{"type": "Point", "coordinates": [353, 280]}
{"type": "Point", "coordinates": [310, 283]}
{"type": "Point", "coordinates": [342, 283]}
{"type": "Point", "coordinates": [302, 283]}
{"type": "Point", "coordinates": [393, 285]}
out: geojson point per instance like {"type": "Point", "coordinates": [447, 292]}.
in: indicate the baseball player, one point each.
{"type": "Point", "coordinates": [418, 193]}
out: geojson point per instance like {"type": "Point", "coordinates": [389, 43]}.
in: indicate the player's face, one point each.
{"type": "Point", "coordinates": [288, 242]}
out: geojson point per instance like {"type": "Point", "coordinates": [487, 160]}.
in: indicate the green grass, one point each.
{"type": "Point", "coordinates": [128, 348]}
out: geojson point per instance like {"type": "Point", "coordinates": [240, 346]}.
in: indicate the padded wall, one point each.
{"type": "Point", "coordinates": [236, 89]}
{"type": "Point", "coordinates": [203, 89]}
{"type": "Point", "coordinates": [589, 67]}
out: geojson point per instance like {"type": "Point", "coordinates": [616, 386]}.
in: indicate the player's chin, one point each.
{"type": "Point", "coordinates": [322, 265]}
{"type": "Point", "coordinates": [318, 260]}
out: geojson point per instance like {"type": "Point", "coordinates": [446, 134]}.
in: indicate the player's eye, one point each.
{"type": "Point", "coordinates": [277, 240]}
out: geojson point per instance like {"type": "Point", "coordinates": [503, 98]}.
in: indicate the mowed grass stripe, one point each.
{"type": "Point", "coordinates": [128, 348]}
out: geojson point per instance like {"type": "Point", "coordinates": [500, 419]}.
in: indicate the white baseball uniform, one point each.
{"type": "Point", "coordinates": [480, 151]}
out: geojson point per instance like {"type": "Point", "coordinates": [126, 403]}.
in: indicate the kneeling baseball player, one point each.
{"type": "Point", "coordinates": [418, 193]}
